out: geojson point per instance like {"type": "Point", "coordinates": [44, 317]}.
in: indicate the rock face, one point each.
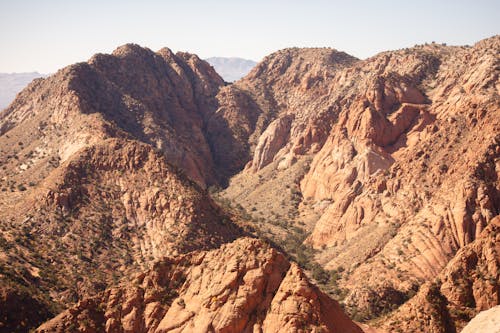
{"type": "Point", "coordinates": [272, 110]}
{"type": "Point", "coordinates": [110, 210]}
{"type": "Point", "coordinates": [404, 171]}
{"type": "Point", "coordinates": [103, 167]}
{"type": "Point", "coordinates": [162, 99]}
{"type": "Point", "coordinates": [468, 284]}
{"type": "Point", "coordinates": [104, 170]}
{"type": "Point", "coordinates": [433, 186]}
{"type": "Point", "coordinates": [486, 321]}
{"type": "Point", "coordinates": [377, 175]}
{"type": "Point", "coordinates": [245, 286]}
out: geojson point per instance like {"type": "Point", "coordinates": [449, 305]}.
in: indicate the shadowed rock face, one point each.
{"type": "Point", "coordinates": [103, 166]}
{"type": "Point", "coordinates": [160, 98]}
{"type": "Point", "coordinates": [241, 287]}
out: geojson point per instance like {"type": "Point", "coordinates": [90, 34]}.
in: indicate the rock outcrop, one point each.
{"type": "Point", "coordinates": [404, 171]}
{"type": "Point", "coordinates": [467, 285]}
{"type": "Point", "coordinates": [110, 210]}
{"type": "Point", "coordinates": [245, 286]}
{"type": "Point", "coordinates": [376, 175]}
{"type": "Point", "coordinates": [162, 99]}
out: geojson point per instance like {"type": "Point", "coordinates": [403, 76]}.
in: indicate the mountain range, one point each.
{"type": "Point", "coordinates": [140, 192]}
{"type": "Point", "coordinates": [231, 69]}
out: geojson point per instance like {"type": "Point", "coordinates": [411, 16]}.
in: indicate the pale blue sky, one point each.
{"type": "Point", "coordinates": [38, 35]}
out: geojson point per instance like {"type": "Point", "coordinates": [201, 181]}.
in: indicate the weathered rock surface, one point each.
{"type": "Point", "coordinates": [162, 99]}
{"type": "Point", "coordinates": [405, 161]}
{"type": "Point", "coordinates": [281, 96]}
{"type": "Point", "coordinates": [485, 321]}
{"type": "Point", "coordinates": [468, 284]}
{"type": "Point", "coordinates": [245, 286]}
{"type": "Point", "coordinates": [388, 167]}
{"type": "Point", "coordinates": [110, 210]}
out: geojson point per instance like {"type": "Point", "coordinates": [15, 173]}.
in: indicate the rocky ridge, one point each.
{"type": "Point", "coordinates": [104, 170]}
{"type": "Point", "coordinates": [404, 174]}
{"type": "Point", "coordinates": [112, 209]}
{"type": "Point", "coordinates": [245, 286]}
{"type": "Point", "coordinates": [386, 169]}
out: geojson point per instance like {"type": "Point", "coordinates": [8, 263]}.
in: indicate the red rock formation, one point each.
{"type": "Point", "coordinates": [241, 287]}
{"type": "Point", "coordinates": [404, 169]}
{"type": "Point", "coordinates": [390, 164]}
{"type": "Point", "coordinates": [159, 98]}
{"type": "Point", "coordinates": [110, 210]}
{"type": "Point", "coordinates": [468, 284]}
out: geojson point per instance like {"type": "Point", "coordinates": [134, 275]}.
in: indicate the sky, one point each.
{"type": "Point", "coordinates": [45, 35]}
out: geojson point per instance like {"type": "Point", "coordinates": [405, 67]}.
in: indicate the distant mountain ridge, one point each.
{"type": "Point", "coordinates": [12, 83]}
{"type": "Point", "coordinates": [231, 69]}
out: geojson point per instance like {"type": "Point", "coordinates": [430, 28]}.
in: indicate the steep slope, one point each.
{"type": "Point", "coordinates": [104, 166]}
{"type": "Point", "coordinates": [158, 98]}
{"type": "Point", "coordinates": [276, 113]}
{"type": "Point", "coordinates": [426, 192]}
{"type": "Point", "coordinates": [468, 284]}
{"type": "Point", "coordinates": [89, 193]}
{"type": "Point", "coordinates": [244, 286]}
{"type": "Point", "coordinates": [110, 210]}
{"type": "Point", "coordinates": [396, 170]}
{"type": "Point", "coordinates": [376, 175]}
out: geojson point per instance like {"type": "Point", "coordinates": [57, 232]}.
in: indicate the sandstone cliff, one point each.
{"type": "Point", "coordinates": [375, 175]}
{"type": "Point", "coordinates": [404, 163]}
{"type": "Point", "coordinates": [467, 285]}
{"type": "Point", "coordinates": [245, 286]}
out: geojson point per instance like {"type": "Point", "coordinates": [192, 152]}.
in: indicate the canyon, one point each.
{"type": "Point", "coordinates": [140, 192]}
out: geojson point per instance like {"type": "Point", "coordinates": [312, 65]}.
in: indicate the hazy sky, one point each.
{"type": "Point", "coordinates": [38, 35]}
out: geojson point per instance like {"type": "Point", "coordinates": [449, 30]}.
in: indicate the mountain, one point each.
{"type": "Point", "coordinates": [12, 83]}
{"type": "Point", "coordinates": [104, 171]}
{"type": "Point", "coordinates": [243, 286]}
{"type": "Point", "coordinates": [373, 173]}
{"type": "Point", "coordinates": [140, 192]}
{"type": "Point", "coordinates": [231, 69]}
